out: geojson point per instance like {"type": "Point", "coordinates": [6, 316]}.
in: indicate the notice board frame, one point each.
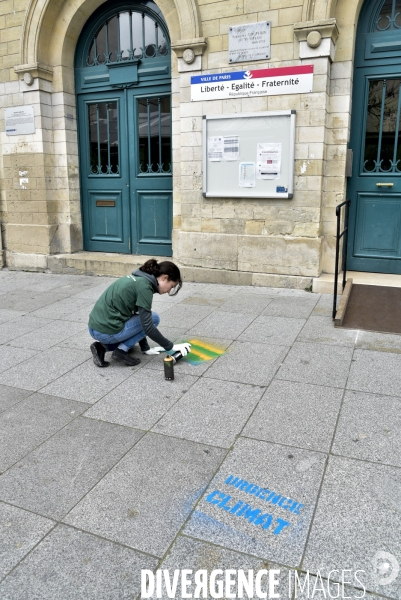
{"type": "Point", "coordinates": [221, 179]}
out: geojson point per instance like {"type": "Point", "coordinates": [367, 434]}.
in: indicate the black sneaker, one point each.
{"type": "Point", "coordinates": [98, 352]}
{"type": "Point", "coordinates": [122, 356]}
{"type": "Point", "coordinates": [143, 344]}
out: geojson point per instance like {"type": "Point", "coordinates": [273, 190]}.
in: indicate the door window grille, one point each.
{"type": "Point", "coordinates": [389, 17]}
{"type": "Point", "coordinates": [103, 138]}
{"type": "Point", "coordinates": [126, 36]}
{"type": "Point", "coordinates": [154, 127]}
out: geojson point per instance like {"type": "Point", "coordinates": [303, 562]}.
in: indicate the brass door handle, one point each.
{"type": "Point", "coordinates": [384, 184]}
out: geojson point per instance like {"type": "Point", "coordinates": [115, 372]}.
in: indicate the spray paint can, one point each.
{"type": "Point", "coordinates": [169, 362]}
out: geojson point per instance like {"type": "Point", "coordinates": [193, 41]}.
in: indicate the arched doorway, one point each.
{"type": "Point", "coordinates": [123, 86]}
{"type": "Point", "coordinates": [375, 185]}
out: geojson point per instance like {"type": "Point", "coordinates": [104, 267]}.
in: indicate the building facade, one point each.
{"type": "Point", "coordinates": [114, 163]}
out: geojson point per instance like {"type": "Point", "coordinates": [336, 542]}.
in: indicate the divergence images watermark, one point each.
{"type": "Point", "coordinates": [264, 583]}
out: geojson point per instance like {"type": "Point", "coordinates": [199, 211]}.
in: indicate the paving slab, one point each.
{"type": "Point", "coordinates": [380, 342]}
{"type": "Point", "coordinates": [73, 565]}
{"type": "Point", "coordinates": [55, 476]}
{"type": "Point", "coordinates": [147, 497]}
{"type": "Point", "coordinates": [246, 304]}
{"type": "Point", "coordinates": [222, 325]}
{"type": "Point", "coordinates": [317, 363]}
{"type": "Point", "coordinates": [7, 314]}
{"type": "Point", "coordinates": [358, 516]}
{"type": "Point", "coordinates": [30, 300]}
{"type": "Point", "coordinates": [10, 330]}
{"type": "Point", "coordinates": [10, 396]}
{"type": "Point", "coordinates": [184, 315]}
{"type": "Point", "coordinates": [195, 555]}
{"type": "Point", "coordinates": [81, 340]}
{"type": "Point", "coordinates": [30, 422]}
{"type": "Point", "coordinates": [375, 372]}
{"type": "Point", "coordinates": [10, 356]}
{"type": "Point", "coordinates": [299, 308]}
{"type": "Point", "coordinates": [248, 363]}
{"type": "Point", "coordinates": [79, 316]}
{"type": "Point", "coordinates": [324, 306]}
{"type": "Point", "coordinates": [41, 369]}
{"type": "Point", "coordinates": [369, 428]}
{"type": "Point", "coordinates": [141, 400]}
{"type": "Point", "coordinates": [273, 330]}
{"type": "Point", "coordinates": [286, 475]}
{"type": "Point", "coordinates": [63, 308]}
{"type": "Point", "coordinates": [48, 336]}
{"type": "Point", "coordinates": [88, 383]}
{"type": "Point", "coordinates": [20, 531]}
{"type": "Point", "coordinates": [321, 329]}
{"type": "Point", "coordinates": [212, 412]}
{"type": "Point", "coordinates": [297, 414]}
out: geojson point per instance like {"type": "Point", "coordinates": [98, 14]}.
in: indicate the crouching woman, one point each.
{"type": "Point", "coordinates": [122, 317]}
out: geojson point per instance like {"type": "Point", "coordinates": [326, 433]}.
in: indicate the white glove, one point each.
{"type": "Point", "coordinates": [154, 351]}
{"type": "Point", "coordinates": [183, 348]}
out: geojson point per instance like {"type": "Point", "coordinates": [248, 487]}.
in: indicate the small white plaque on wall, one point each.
{"type": "Point", "coordinates": [250, 41]}
{"type": "Point", "coordinates": [19, 120]}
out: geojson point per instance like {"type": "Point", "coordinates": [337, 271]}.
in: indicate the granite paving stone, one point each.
{"type": "Point", "coordinates": [30, 301]}
{"type": "Point", "coordinates": [187, 553]}
{"type": "Point", "coordinates": [380, 342]}
{"type": "Point", "coordinates": [283, 306]}
{"type": "Point", "coordinates": [212, 412]}
{"type": "Point", "coordinates": [72, 565]}
{"type": "Point", "coordinates": [11, 395]}
{"type": "Point", "coordinates": [369, 428]}
{"type": "Point", "coordinates": [79, 316]}
{"type": "Point", "coordinates": [324, 306]}
{"type": "Point", "coordinates": [273, 330]}
{"type": "Point", "coordinates": [141, 400]}
{"type": "Point", "coordinates": [358, 515]}
{"type": "Point", "coordinates": [222, 325]}
{"type": "Point", "coordinates": [88, 383]}
{"type": "Point", "coordinates": [43, 368]}
{"type": "Point", "coordinates": [285, 475]}
{"type": "Point", "coordinates": [63, 308]}
{"type": "Point", "coordinates": [246, 304]}
{"type": "Point", "coordinates": [31, 422]}
{"type": "Point", "coordinates": [246, 362]}
{"type": "Point", "coordinates": [298, 414]}
{"type": "Point", "coordinates": [184, 315]}
{"type": "Point", "coordinates": [7, 314]}
{"type": "Point", "coordinates": [317, 363]}
{"type": "Point", "coordinates": [10, 330]}
{"type": "Point", "coordinates": [20, 531]}
{"type": "Point", "coordinates": [54, 477]}
{"type": "Point", "coordinates": [375, 372]}
{"type": "Point", "coordinates": [10, 356]}
{"type": "Point", "coordinates": [81, 341]}
{"type": "Point", "coordinates": [321, 329]}
{"type": "Point", "coordinates": [147, 497]}
{"type": "Point", "coordinates": [48, 336]}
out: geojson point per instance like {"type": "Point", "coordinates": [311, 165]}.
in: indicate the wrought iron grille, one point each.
{"type": "Point", "coordinates": [103, 138]}
{"type": "Point", "coordinates": [126, 36]}
{"type": "Point", "coordinates": [154, 127]}
{"type": "Point", "coordinates": [389, 17]}
{"type": "Point", "coordinates": [383, 139]}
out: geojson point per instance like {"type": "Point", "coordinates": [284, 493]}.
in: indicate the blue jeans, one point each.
{"type": "Point", "coordinates": [127, 337]}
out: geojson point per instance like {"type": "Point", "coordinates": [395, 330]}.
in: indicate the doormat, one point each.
{"type": "Point", "coordinates": [374, 308]}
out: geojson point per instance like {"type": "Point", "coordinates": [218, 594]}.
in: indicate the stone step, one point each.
{"type": "Point", "coordinates": [325, 283]}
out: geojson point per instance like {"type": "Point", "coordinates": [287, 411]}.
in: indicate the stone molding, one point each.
{"type": "Point", "coordinates": [189, 53]}
{"type": "Point", "coordinates": [317, 38]}
{"type": "Point", "coordinates": [36, 70]}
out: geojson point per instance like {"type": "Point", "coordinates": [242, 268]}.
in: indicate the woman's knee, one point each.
{"type": "Point", "coordinates": [155, 319]}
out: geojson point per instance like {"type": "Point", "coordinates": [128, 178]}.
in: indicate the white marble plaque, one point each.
{"type": "Point", "coordinates": [249, 42]}
{"type": "Point", "coordinates": [19, 120]}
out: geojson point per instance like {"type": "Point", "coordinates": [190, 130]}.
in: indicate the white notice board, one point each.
{"type": "Point", "coordinates": [249, 155]}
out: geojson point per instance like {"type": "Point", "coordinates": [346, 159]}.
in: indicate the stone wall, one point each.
{"type": "Point", "coordinates": [278, 239]}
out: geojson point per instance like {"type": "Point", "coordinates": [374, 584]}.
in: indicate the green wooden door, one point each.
{"type": "Point", "coordinates": [123, 89]}
{"type": "Point", "coordinates": [375, 185]}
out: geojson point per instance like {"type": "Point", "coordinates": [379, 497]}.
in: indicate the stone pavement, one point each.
{"type": "Point", "coordinates": [282, 453]}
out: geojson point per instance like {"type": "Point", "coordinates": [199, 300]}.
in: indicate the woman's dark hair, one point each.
{"type": "Point", "coordinates": [164, 268]}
